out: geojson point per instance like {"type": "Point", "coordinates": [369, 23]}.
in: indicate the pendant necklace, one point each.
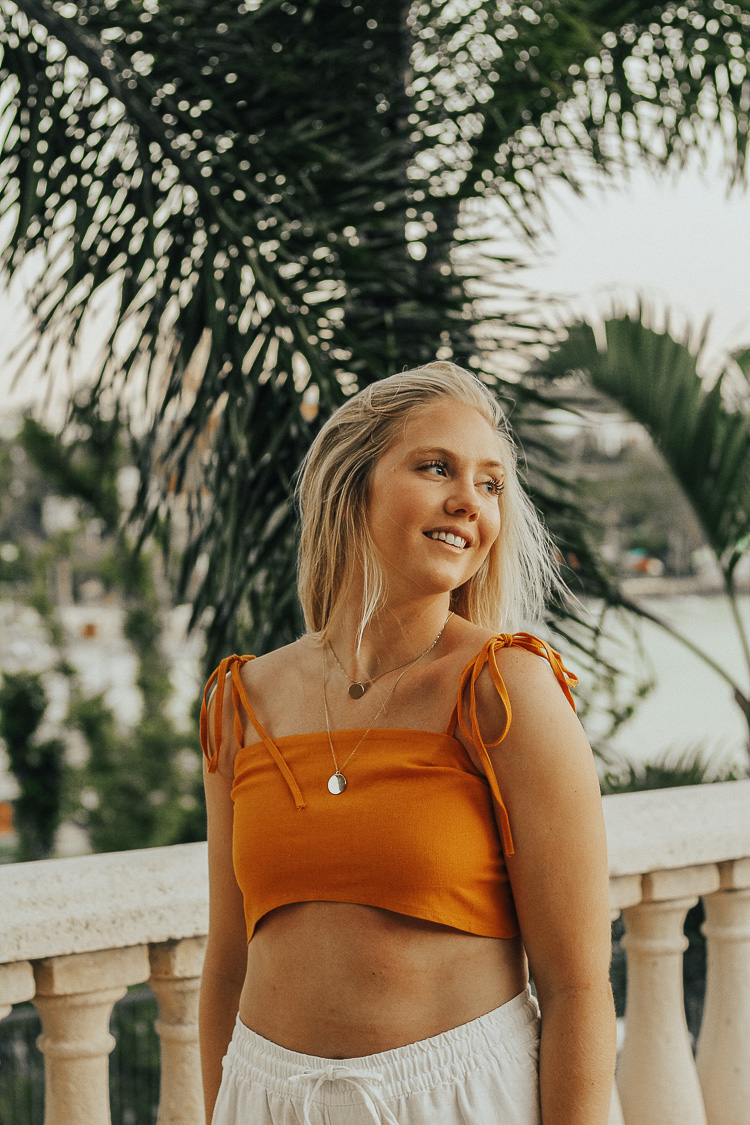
{"type": "Point", "coordinates": [357, 688]}
{"type": "Point", "coordinates": [337, 781]}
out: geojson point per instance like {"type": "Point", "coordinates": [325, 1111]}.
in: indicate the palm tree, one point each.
{"type": "Point", "coordinates": [271, 194]}
{"type": "Point", "coordinates": [701, 428]}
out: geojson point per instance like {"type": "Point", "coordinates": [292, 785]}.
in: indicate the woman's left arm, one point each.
{"type": "Point", "coordinates": [545, 770]}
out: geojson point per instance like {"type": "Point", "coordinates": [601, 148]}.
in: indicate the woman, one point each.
{"type": "Point", "coordinates": [402, 806]}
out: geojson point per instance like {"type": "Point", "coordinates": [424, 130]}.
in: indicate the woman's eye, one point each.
{"type": "Point", "coordinates": [494, 486]}
{"type": "Point", "coordinates": [437, 466]}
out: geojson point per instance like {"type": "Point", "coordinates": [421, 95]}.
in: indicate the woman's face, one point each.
{"type": "Point", "coordinates": [433, 502]}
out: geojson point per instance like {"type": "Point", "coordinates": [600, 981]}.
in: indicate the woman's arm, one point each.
{"type": "Point", "coordinates": [226, 953]}
{"type": "Point", "coordinates": [546, 773]}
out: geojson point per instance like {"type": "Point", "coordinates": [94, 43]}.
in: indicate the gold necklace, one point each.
{"type": "Point", "coordinates": [357, 688]}
{"type": "Point", "coordinates": [337, 782]}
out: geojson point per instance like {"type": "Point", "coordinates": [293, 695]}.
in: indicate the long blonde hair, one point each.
{"type": "Point", "coordinates": [512, 584]}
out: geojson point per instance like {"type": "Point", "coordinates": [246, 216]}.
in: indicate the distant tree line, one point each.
{"type": "Point", "coordinates": [138, 787]}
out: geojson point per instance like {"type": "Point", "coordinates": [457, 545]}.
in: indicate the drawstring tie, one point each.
{"type": "Point", "coordinates": [362, 1080]}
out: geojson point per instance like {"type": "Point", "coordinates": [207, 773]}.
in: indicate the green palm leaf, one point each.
{"type": "Point", "coordinates": [271, 194]}
{"type": "Point", "coordinates": [702, 430]}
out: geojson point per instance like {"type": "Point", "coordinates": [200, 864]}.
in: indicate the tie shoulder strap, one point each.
{"type": "Point", "coordinates": [217, 683]}
{"type": "Point", "coordinates": [229, 670]}
{"type": "Point", "coordinates": [471, 731]}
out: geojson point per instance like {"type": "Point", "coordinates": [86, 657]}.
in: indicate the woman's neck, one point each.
{"type": "Point", "coordinates": [391, 637]}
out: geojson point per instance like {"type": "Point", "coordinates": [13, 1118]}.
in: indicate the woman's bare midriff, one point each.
{"type": "Point", "coordinates": [339, 980]}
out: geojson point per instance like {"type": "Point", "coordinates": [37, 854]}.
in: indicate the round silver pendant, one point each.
{"type": "Point", "coordinates": [356, 691]}
{"type": "Point", "coordinates": [336, 783]}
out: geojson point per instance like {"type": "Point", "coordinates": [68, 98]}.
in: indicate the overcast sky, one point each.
{"type": "Point", "coordinates": [680, 240]}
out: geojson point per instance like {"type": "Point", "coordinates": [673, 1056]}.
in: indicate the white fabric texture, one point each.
{"type": "Point", "coordinates": [485, 1072]}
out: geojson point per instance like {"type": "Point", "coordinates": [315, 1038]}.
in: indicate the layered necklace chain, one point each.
{"type": "Point", "coordinates": [357, 688]}
{"type": "Point", "coordinates": [337, 781]}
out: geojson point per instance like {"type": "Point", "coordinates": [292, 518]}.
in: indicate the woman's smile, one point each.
{"type": "Point", "coordinates": [450, 538]}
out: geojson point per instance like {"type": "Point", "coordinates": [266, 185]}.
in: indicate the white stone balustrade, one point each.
{"type": "Point", "coordinates": [74, 933]}
{"type": "Point", "coordinates": [16, 984]}
{"type": "Point", "coordinates": [657, 1079]}
{"type": "Point", "coordinates": [75, 995]}
{"type": "Point", "coordinates": [724, 1046]}
{"type": "Point", "coordinates": [175, 978]}
{"type": "Point", "coordinates": [683, 843]}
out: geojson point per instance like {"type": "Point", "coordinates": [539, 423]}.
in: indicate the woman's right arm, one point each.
{"type": "Point", "coordinates": [226, 953]}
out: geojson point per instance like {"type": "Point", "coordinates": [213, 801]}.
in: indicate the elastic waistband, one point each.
{"type": "Point", "coordinates": [442, 1058]}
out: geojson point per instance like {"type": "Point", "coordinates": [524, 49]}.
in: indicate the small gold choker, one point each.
{"type": "Point", "coordinates": [357, 688]}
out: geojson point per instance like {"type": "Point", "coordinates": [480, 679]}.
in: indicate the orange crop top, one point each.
{"type": "Point", "coordinates": [415, 832]}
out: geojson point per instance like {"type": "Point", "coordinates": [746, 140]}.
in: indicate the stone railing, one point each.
{"type": "Point", "coordinates": [667, 848]}
{"type": "Point", "coordinates": [74, 933]}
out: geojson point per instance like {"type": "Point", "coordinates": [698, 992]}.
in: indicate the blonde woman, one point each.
{"type": "Point", "coordinates": [403, 811]}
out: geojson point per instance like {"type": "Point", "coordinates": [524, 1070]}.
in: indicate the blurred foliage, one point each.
{"type": "Point", "coordinates": [36, 765]}
{"type": "Point", "coordinates": [280, 199]}
{"type": "Point", "coordinates": [691, 767]}
{"type": "Point", "coordinates": [701, 428]}
{"type": "Point", "coordinates": [140, 786]}
{"type": "Point", "coordinates": [633, 492]}
{"type": "Point", "coordinates": [135, 1064]}
{"type": "Point", "coordinates": [21, 1067]}
{"type": "Point", "coordinates": [85, 467]}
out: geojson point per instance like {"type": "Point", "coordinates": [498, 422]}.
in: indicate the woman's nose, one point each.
{"type": "Point", "coordinates": [463, 498]}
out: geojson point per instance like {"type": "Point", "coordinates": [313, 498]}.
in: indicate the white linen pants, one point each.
{"type": "Point", "coordinates": [482, 1073]}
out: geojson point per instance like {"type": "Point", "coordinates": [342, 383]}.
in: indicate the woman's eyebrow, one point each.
{"type": "Point", "coordinates": [438, 451]}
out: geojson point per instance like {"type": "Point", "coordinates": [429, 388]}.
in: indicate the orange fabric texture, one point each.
{"type": "Point", "coordinates": [414, 832]}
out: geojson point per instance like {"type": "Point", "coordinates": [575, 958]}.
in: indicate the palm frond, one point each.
{"type": "Point", "coordinates": [702, 429]}
{"type": "Point", "coordinates": [550, 90]}
{"type": "Point", "coordinates": [272, 192]}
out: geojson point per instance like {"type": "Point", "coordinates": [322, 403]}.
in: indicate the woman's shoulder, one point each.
{"type": "Point", "coordinates": [526, 670]}
{"type": "Point", "coordinates": [514, 675]}
{"type": "Point", "coordinates": [296, 658]}
{"type": "Point", "coordinates": [254, 668]}
{"type": "Point", "coordinates": [519, 652]}
{"type": "Point", "coordinates": [247, 688]}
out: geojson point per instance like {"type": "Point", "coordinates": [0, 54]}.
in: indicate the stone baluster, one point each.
{"type": "Point", "coordinates": [16, 985]}
{"type": "Point", "coordinates": [74, 996]}
{"type": "Point", "coordinates": [176, 968]}
{"type": "Point", "coordinates": [724, 1045]}
{"type": "Point", "coordinates": [624, 890]}
{"type": "Point", "coordinates": [657, 1078]}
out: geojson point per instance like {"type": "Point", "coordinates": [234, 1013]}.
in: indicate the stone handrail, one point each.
{"type": "Point", "coordinates": [90, 902]}
{"type": "Point", "coordinates": [74, 933]}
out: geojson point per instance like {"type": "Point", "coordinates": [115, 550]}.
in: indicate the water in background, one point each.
{"type": "Point", "coordinates": [691, 707]}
